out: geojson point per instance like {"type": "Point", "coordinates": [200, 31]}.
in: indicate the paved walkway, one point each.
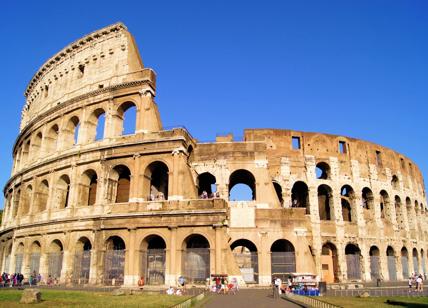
{"type": "Point", "coordinates": [248, 298]}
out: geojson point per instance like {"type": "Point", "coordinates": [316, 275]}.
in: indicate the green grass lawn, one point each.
{"type": "Point", "coordinates": [415, 302]}
{"type": "Point", "coordinates": [59, 298]}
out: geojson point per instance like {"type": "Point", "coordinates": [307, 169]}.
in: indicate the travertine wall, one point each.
{"type": "Point", "coordinates": [69, 187]}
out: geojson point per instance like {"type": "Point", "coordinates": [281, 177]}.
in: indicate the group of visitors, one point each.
{"type": "Point", "coordinates": [205, 195]}
{"type": "Point", "coordinates": [220, 284]}
{"type": "Point", "coordinates": [11, 280]}
{"type": "Point", "coordinates": [180, 289]}
{"type": "Point", "coordinates": [417, 281]}
{"type": "Point", "coordinates": [300, 287]}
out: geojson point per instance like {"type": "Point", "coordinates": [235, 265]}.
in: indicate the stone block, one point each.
{"type": "Point", "coordinates": [31, 296]}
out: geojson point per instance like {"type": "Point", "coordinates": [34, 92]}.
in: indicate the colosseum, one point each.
{"type": "Point", "coordinates": [90, 202]}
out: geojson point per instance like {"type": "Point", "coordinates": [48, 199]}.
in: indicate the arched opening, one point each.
{"type": "Point", "coordinates": [190, 154]}
{"type": "Point", "coordinates": [283, 259]}
{"type": "Point", "coordinates": [367, 198]}
{"type": "Point", "coordinates": [7, 257]}
{"type": "Point", "coordinates": [71, 132]}
{"type": "Point", "coordinates": [399, 213]}
{"type": "Point", "coordinates": [43, 196]}
{"type": "Point", "coordinates": [246, 257]}
{"type": "Point", "coordinates": [35, 251]}
{"type": "Point", "coordinates": [26, 152]}
{"type": "Point", "coordinates": [384, 205]}
{"type": "Point", "coordinates": [353, 256]}
{"type": "Point", "coordinates": [128, 116]}
{"type": "Point", "coordinates": [395, 183]}
{"type": "Point", "coordinates": [114, 261]}
{"type": "Point", "coordinates": [26, 200]}
{"type": "Point", "coordinates": [55, 257]}
{"type": "Point", "coordinates": [19, 258]}
{"type": "Point", "coordinates": [410, 214]}
{"type": "Point", "coordinates": [16, 203]}
{"type": "Point", "coordinates": [51, 139]}
{"type": "Point", "coordinates": [63, 192]}
{"type": "Point", "coordinates": [156, 176]}
{"type": "Point", "coordinates": [153, 260]}
{"type": "Point", "coordinates": [82, 261]}
{"type": "Point", "coordinates": [329, 263]}
{"type": "Point", "coordinates": [405, 262]}
{"type": "Point", "coordinates": [325, 202]}
{"type": "Point", "coordinates": [300, 196]}
{"type": "Point", "coordinates": [392, 269]}
{"type": "Point", "coordinates": [36, 146]}
{"type": "Point", "coordinates": [423, 261]}
{"type": "Point", "coordinates": [278, 191]}
{"type": "Point", "coordinates": [322, 171]}
{"type": "Point", "coordinates": [347, 198]}
{"type": "Point", "coordinates": [121, 177]}
{"type": "Point", "coordinates": [374, 263]}
{"type": "Point", "coordinates": [196, 259]}
{"type": "Point", "coordinates": [207, 187]}
{"type": "Point", "coordinates": [415, 261]}
{"type": "Point", "coordinates": [88, 188]}
{"type": "Point", "coordinates": [242, 186]}
{"type": "Point", "coordinates": [95, 125]}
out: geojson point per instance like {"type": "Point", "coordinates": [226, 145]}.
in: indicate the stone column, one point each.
{"type": "Point", "coordinates": [148, 119]}
{"type": "Point", "coordinates": [172, 275]}
{"type": "Point", "coordinates": [67, 261]}
{"type": "Point", "coordinates": [175, 186]}
{"type": "Point", "coordinates": [218, 247]}
{"type": "Point", "coordinates": [264, 258]}
{"type": "Point", "coordinates": [365, 273]}
{"type": "Point", "coordinates": [131, 260]}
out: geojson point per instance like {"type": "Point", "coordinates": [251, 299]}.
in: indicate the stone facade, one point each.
{"type": "Point", "coordinates": [87, 203]}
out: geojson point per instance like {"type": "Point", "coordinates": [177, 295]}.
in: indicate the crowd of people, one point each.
{"type": "Point", "coordinates": [417, 281]}
{"type": "Point", "coordinates": [17, 279]}
{"type": "Point", "coordinates": [220, 284]}
{"type": "Point", "coordinates": [280, 287]}
{"type": "Point", "coordinates": [205, 195]}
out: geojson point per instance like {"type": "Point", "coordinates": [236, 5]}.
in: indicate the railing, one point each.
{"type": "Point", "coordinates": [378, 292]}
{"type": "Point", "coordinates": [310, 301]}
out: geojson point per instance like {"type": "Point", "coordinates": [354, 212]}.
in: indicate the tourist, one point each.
{"type": "Point", "coordinates": [141, 283]}
{"type": "Point", "coordinates": [181, 283]}
{"type": "Point", "coordinates": [170, 291]}
{"type": "Point", "coordinates": [410, 282]}
{"type": "Point", "coordinates": [419, 283]}
{"type": "Point", "coordinates": [277, 284]}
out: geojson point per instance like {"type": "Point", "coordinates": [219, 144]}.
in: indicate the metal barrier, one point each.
{"type": "Point", "coordinates": [310, 301]}
{"type": "Point", "coordinates": [376, 292]}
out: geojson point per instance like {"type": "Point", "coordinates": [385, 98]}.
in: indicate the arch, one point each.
{"type": "Point", "coordinates": [157, 180]}
{"type": "Point", "coordinates": [196, 258]}
{"type": "Point", "coordinates": [325, 202]}
{"type": "Point", "coordinates": [405, 262]}
{"type": "Point", "coordinates": [367, 198]}
{"type": "Point", "coordinates": [7, 256]}
{"type": "Point", "coordinates": [374, 263]}
{"type": "Point", "coordinates": [82, 261]}
{"type": "Point", "coordinates": [300, 196]}
{"type": "Point", "coordinates": [415, 256]}
{"type": "Point", "coordinates": [36, 146]}
{"type": "Point", "coordinates": [395, 183]}
{"type": "Point", "coordinates": [423, 261]}
{"type": "Point", "coordinates": [42, 196]}
{"type": "Point", "coordinates": [206, 185]}
{"type": "Point", "coordinates": [127, 112]}
{"type": "Point", "coordinates": [246, 257]}
{"type": "Point", "coordinates": [153, 256]}
{"type": "Point", "coordinates": [278, 191]}
{"type": "Point", "coordinates": [26, 200]}
{"type": "Point", "coordinates": [353, 261]}
{"type": "Point", "coordinates": [122, 177]}
{"type": "Point", "coordinates": [283, 259]}
{"type": "Point", "coordinates": [322, 171]}
{"type": "Point", "coordinates": [71, 132]}
{"type": "Point", "coordinates": [392, 268]}
{"type": "Point", "coordinates": [35, 251]}
{"type": "Point", "coordinates": [329, 263]}
{"type": "Point", "coordinates": [384, 205]}
{"type": "Point", "coordinates": [19, 258]}
{"type": "Point", "coordinates": [51, 139]}
{"type": "Point", "coordinates": [16, 202]}
{"type": "Point", "coordinates": [114, 261]}
{"type": "Point", "coordinates": [244, 177]}
{"type": "Point", "coordinates": [88, 188]}
{"type": "Point", "coordinates": [25, 155]}
{"type": "Point", "coordinates": [63, 191]}
{"type": "Point", "coordinates": [95, 125]}
{"type": "Point", "coordinates": [347, 199]}
{"type": "Point", "coordinates": [399, 212]}
{"type": "Point", "coordinates": [55, 258]}
{"type": "Point", "coordinates": [410, 214]}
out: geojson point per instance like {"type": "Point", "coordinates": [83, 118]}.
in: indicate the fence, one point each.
{"type": "Point", "coordinates": [55, 264]}
{"type": "Point", "coordinates": [248, 264]}
{"type": "Point", "coordinates": [283, 263]}
{"type": "Point", "coordinates": [82, 266]}
{"type": "Point", "coordinates": [196, 264]}
{"type": "Point", "coordinates": [376, 292]}
{"type": "Point", "coordinates": [34, 263]}
{"type": "Point", "coordinates": [310, 301]}
{"type": "Point", "coordinates": [153, 262]}
{"type": "Point", "coordinates": [114, 265]}
{"type": "Point", "coordinates": [18, 262]}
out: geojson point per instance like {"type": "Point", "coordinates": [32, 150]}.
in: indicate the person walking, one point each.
{"type": "Point", "coordinates": [419, 283]}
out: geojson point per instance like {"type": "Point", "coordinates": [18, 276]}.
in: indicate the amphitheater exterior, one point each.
{"type": "Point", "coordinates": [89, 202]}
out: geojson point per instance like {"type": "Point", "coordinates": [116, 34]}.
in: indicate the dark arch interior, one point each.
{"type": "Point", "coordinates": [322, 171]}
{"type": "Point", "coordinates": [197, 241]}
{"type": "Point", "coordinates": [282, 245]}
{"type": "Point", "coordinates": [367, 198]}
{"type": "Point", "coordinates": [206, 183]}
{"type": "Point", "coordinates": [157, 172]}
{"type": "Point", "coordinates": [155, 242]}
{"type": "Point", "coordinates": [374, 251]}
{"type": "Point", "coordinates": [390, 251]}
{"type": "Point", "coordinates": [300, 195]}
{"type": "Point", "coordinates": [324, 195]}
{"type": "Point", "coordinates": [115, 243]}
{"type": "Point", "coordinates": [278, 190]}
{"type": "Point", "coordinates": [352, 249]}
{"type": "Point", "coordinates": [404, 252]}
{"type": "Point", "coordinates": [245, 243]}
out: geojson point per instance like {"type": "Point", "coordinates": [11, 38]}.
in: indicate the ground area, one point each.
{"type": "Point", "coordinates": [62, 298]}
{"type": "Point", "coordinates": [248, 298]}
{"type": "Point", "coordinates": [381, 302]}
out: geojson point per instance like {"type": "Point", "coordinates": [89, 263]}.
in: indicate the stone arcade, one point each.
{"type": "Point", "coordinates": [89, 202]}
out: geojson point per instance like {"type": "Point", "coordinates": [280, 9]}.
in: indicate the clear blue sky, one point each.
{"type": "Point", "coordinates": [355, 68]}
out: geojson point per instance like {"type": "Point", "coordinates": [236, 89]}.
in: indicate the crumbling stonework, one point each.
{"type": "Point", "coordinates": [85, 207]}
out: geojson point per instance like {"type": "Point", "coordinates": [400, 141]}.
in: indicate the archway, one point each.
{"type": "Point", "coordinates": [82, 261]}
{"type": "Point", "coordinates": [43, 196]}
{"type": "Point", "coordinates": [353, 256]}
{"type": "Point", "coordinates": [196, 258]}
{"type": "Point", "coordinates": [405, 262]}
{"type": "Point", "coordinates": [300, 196]}
{"type": "Point", "coordinates": [374, 263]}
{"type": "Point", "coordinates": [278, 191]}
{"type": "Point", "coordinates": [242, 186]}
{"type": "Point", "coordinates": [63, 191]}
{"type": "Point", "coordinates": [384, 205]}
{"type": "Point", "coordinates": [283, 259]}
{"type": "Point", "coordinates": [122, 176]}
{"type": "Point", "coordinates": [128, 118]}
{"type": "Point", "coordinates": [55, 256]}
{"type": "Point", "coordinates": [367, 198]}
{"type": "Point", "coordinates": [7, 257]}
{"type": "Point", "coordinates": [19, 258]}
{"type": "Point", "coordinates": [399, 213]}
{"type": "Point", "coordinates": [88, 188]}
{"type": "Point", "coordinates": [114, 261]}
{"type": "Point", "coordinates": [246, 256]}
{"type": "Point", "coordinates": [322, 171]}
{"type": "Point", "coordinates": [35, 258]}
{"type": "Point", "coordinates": [329, 263]}
{"type": "Point", "coordinates": [324, 202]}
{"type": "Point", "coordinates": [347, 198]}
{"type": "Point", "coordinates": [153, 260]}
{"type": "Point", "coordinates": [392, 269]}
{"type": "Point", "coordinates": [206, 185]}
{"type": "Point", "coordinates": [156, 176]}
{"type": "Point", "coordinates": [415, 261]}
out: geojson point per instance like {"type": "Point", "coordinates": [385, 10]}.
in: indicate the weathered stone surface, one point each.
{"type": "Point", "coordinates": [364, 294]}
{"type": "Point", "coordinates": [31, 296]}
